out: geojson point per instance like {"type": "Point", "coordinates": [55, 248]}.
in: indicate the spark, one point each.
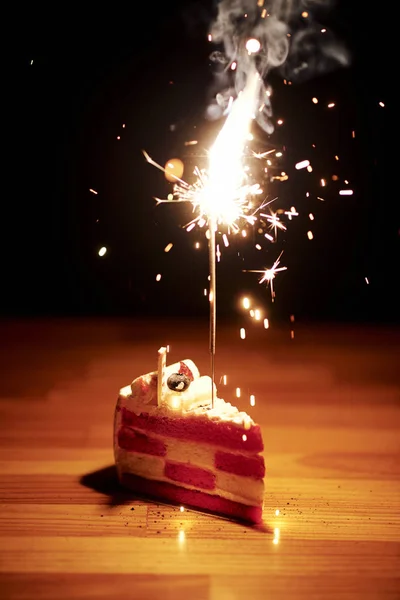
{"type": "Point", "coordinates": [277, 512]}
{"type": "Point", "coordinates": [224, 379]}
{"type": "Point", "coordinates": [238, 392]}
{"type": "Point", "coordinates": [331, 105]}
{"type": "Point", "coordinates": [281, 177]}
{"type": "Point", "coordinates": [252, 400]}
{"type": "Point", "coordinates": [274, 222]}
{"type": "Point", "coordinates": [158, 277]}
{"type": "Point", "coordinates": [266, 324]}
{"type": "Point", "coordinates": [191, 143]}
{"type": "Point", "coordinates": [311, 217]}
{"type": "Point", "coordinates": [302, 164]}
{"type": "Point", "coordinates": [323, 182]}
{"type": "Point", "coordinates": [246, 303]}
{"type": "Point", "coordinates": [280, 122]}
{"type": "Point", "coordinates": [168, 247]}
{"type": "Point", "coordinates": [242, 333]}
{"type": "Point", "coordinates": [291, 213]}
{"type": "Point", "coordinates": [345, 192]}
{"type": "Point", "coordinates": [102, 251]}
{"type": "Point", "coordinates": [93, 191]}
{"type": "Point", "coordinates": [261, 155]}
{"type": "Point", "coordinates": [244, 437]}
{"type": "Point", "coordinates": [268, 275]}
{"type": "Point", "coordinates": [366, 280]}
{"type": "Point", "coordinates": [382, 104]}
{"type": "Point", "coordinates": [253, 46]}
{"type": "Point", "coordinates": [310, 235]}
{"type": "Point", "coordinates": [315, 100]}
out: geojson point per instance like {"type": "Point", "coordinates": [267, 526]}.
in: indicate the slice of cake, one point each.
{"type": "Point", "coordinates": [171, 444]}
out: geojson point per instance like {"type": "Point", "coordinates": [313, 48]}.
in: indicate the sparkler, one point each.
{"type": "Point", "coordinates": [221, 194]}
{"type": "Point", "coordinates": [224, 193]}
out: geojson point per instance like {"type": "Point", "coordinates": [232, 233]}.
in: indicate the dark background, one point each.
{"type": "Point", "coordinates": [148, 68]}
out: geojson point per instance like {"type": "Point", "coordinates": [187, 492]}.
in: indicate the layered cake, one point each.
{"type": "Point", "coordinates": [176, 441]}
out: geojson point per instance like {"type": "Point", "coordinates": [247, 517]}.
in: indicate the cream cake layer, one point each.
{"type": "Point", "coordinates": [246, 464]}
{"type": "Point", "coordinates": [233, 487]}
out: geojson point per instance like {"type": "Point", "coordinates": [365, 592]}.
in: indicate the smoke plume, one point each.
{"type": "Point", "coordinates": [291, 42]}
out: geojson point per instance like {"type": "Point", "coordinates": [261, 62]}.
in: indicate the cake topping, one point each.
{"type": "Point", "coordinates": [184, 369]}
{"type": "Point", "coordinates": [178, 382]}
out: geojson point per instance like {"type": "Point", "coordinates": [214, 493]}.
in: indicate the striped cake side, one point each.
{"type": "Point", "coordinates": [193, 460]}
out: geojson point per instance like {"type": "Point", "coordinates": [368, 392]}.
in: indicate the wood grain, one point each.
{"type": "Point", "coordinates": [329, 405]}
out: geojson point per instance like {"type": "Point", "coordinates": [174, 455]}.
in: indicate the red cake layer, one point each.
{"type": "Point", "coordinates": [135, 441]}
{"type": "Point", "coordinates": [248, 466]}
{"type": "Point", "coordinates": [171, 493]}
{"type": "Point", "coordinates": [190, 474]}
{"type": "Point", "coordinates": [198, 428]}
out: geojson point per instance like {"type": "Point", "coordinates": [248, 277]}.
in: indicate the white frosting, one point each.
{"type": "Point", "coordinates": [197, 394]}
{"type": "Point", "coordinates": [195, 400]}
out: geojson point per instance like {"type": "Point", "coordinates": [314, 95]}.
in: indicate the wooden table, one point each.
{"type": "Point", "coordinates": [329, 404]}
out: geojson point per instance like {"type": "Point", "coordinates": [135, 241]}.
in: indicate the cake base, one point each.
{"type": "Point", "coordinates": [164, 491]}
